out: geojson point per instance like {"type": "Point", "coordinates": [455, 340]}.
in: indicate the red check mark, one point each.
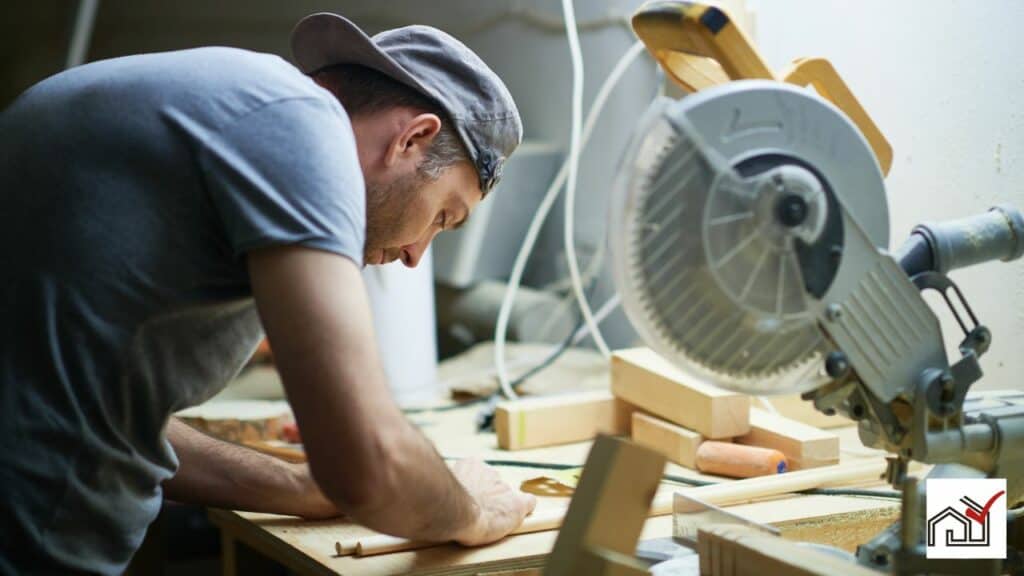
{"type": "Point", "coordinates": [980, 517]}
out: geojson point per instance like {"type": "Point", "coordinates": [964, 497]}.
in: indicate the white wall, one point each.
{"type": "Point", "coordinates": [940, 77]}
{"type": "Point", "coordinates": [944, 82]}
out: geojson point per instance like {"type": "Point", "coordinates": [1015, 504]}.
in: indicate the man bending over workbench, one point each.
{"type": "Point", "coordinates": [159, 212]}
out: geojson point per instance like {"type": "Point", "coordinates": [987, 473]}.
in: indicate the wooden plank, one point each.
{"type": "Point", "coordinates": [721, 494]}
{"type": "Point", "coordinates": [732, 550]}
{"type": "Point", "coordinates": [844, 522]}
{"type": "Point", "coordinates": [239, 420]}
{"type": "Point", "coordinates": [561, 419]}
{"type": "Point", "coordinates": [846, 530]}
{"type": "Point", "coordinates": [286, 452]}
{"type": "Point", "coordinates": [608, 510]}
{"type": "Point", "coordinates": [676, 443]}
{"type": "Point", "coordinates": [690, 449]}
{"type": "Point", "coordinates": [804, 446]}
{"type": "Point", "coordinates": [644, 379]}
{"type": "Point", "coordinates": [309, 547]}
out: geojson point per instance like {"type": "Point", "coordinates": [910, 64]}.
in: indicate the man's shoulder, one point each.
{"type": "Point", "coordinates": [266, 75]}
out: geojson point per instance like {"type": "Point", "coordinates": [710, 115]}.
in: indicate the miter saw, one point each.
{"type": "Point", "coordinates": [750, 237]}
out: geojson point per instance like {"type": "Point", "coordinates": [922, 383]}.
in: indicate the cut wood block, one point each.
{"type": "Point", "coordinates": [607, 511]}
{"type": "Point", "coordinates": [648, 381]}
{"type": "Point", "coordinates": [690, 449]}
{"type": "Point", "coordinates": [239, 420]}
{"type": "Point", "coordinates": [804, 446]}
{"type": "Point", "coordinates": [676, 443]}
{"type": "Point", "coordinates": [561, 419]}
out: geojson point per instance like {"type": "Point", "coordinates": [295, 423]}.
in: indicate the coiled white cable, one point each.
{"type": "Point", "coordinates": [570, 186]}
{"type": "Point", "coordinates": [533, 230]}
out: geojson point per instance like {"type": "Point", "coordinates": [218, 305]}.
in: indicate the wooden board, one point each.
{"type": "Point", "coordinates": [561, 419]}
{"type": "Point", "coordinates": [804, 446]}
{"type": "Point", "coordinates": [239, 420]}
{"type": "Point", "coordinates": [644, 379]}
{"type": "Point", "coordinates": [676, 443]}
{"type": "Point", "coordinates": [308, 547]}
{"type": "Point", "coordinates": [836, 521]}
{"type": "Point", "coordinates": [608, 510]}
{"type": "Point", "coordinates": [731, 550]}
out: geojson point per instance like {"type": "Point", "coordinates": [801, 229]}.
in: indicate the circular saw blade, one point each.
{"type": "Point", "coordinates": [708, 277]}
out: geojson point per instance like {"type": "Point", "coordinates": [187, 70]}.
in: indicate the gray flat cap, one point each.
{"type": "Point", "coordinates": [433, 63]}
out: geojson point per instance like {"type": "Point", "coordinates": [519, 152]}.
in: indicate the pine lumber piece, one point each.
{"type": "Point", "coordinates": [559, 419]}
{"type": "Point", "coordinates": [733, 550]}
{"type": "Point", "coordinates": [678, 444]}
{"type": "Point", "coordinates": [280, 450]}
{"type": "Point", "coordinates": [723, 494]}
{"type": "Point", "coordinates": [804, 446]}
{"type": "Point", "coordinates": [608, 511]}
{"type": "Point", "coordinates": [239, 420]}
{"type": "Point", "coordinates": [648, 381]}
{"type": "Point", "coordinates": [843, 529]}
{"type": "Point", "coordinates": [690, 449]}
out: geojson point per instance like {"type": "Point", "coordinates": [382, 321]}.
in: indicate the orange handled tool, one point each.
{"type": "Point", "coordinates": [739, 460]}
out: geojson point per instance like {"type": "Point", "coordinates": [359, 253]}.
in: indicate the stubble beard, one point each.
{"type": "Point", "coordinates": [386, 206]}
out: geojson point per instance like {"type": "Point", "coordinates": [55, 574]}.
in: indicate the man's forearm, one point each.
{"type": "Point", "coordinates": [212, 472]}
{"type": "Point", "coordinates": [426, 501]}
{"type": "Point", "coordinates": [364, 453]}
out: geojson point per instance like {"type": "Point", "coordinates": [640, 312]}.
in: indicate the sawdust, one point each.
{"type": "Point", "coordinates": [846, 530]}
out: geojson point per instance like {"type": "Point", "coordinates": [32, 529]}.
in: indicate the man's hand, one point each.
{"type": "Point", "coordinates": [500, 507]}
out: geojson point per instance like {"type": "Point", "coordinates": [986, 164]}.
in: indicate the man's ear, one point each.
{"type": "Point", "coordinates": [413, 140]}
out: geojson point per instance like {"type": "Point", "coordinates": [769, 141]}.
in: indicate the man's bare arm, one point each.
{"type": "Point", "coordinates": [362, 451]}
{"type": "Point", "coordinates": [212, 472]}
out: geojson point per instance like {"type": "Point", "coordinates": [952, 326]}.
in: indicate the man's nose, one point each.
{"type": "Point", "coordinates": [412, 253]}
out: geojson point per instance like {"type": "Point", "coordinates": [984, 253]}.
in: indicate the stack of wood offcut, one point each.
{"type": "Point", "coordinates": [694, 424]}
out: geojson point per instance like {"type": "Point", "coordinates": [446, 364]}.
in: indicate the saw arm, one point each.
{"type": "Point", "coordinates": [699, 46]}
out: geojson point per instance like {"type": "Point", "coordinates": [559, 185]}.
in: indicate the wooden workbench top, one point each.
{"type": "Point", "coordinates": [309, 547]}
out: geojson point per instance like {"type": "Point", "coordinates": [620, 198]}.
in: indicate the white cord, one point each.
{"type": "Point", "coordinates": [578, 336]}
{"type": "Point", "coordinates": [568, 302]}
{"type": "Point", "coordinates": [570, 187]}
{"type": "Point", "coordinates": [607, 308]}
{"type": "Point", "coordinates": [542, 211]}
{"type": "Point", "coordinates": [529, 361]}
{"type": "Point", "coordinates": [81, 35]}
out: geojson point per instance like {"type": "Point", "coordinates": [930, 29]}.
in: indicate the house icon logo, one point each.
{"type": "Point", "coordinates": [966, 518]}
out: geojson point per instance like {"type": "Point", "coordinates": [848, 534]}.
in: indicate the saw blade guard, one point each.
{"type": "Point", "coordinates": [722, 195]}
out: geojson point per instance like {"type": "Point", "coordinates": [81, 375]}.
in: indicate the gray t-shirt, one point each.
{"type": "Point", "coordinates": [132, 190]}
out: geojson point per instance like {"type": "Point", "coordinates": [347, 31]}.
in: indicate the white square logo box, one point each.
{"type": "Point", "coordinates": [966, 518]}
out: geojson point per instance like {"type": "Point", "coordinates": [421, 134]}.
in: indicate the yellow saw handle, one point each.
{"type": "Point", "coordinates": [819, 73]}
{"type": "Point", "coordinates": [699, 46]}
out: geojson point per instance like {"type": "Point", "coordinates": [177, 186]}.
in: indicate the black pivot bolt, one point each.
{"type": "Point", "coordinates": [837, 365]}
{"type": "Point", "coordinates": [791, 210]}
